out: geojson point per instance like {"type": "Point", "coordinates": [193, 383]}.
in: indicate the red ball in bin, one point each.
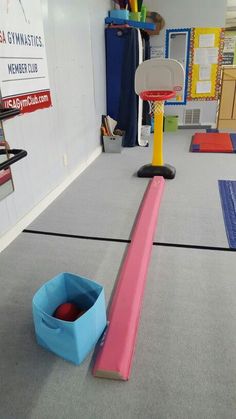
{"type": "Point", "coordinates": [68, 312]}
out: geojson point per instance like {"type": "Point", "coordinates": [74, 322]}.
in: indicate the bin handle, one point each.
{"type": "Point", "coordinates": [53, 329]}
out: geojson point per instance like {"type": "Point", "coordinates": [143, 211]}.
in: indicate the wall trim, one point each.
{"type": "Point", "coordinates": [8, 237]}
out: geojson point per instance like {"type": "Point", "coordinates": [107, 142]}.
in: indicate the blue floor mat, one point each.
{"type": "Point", "coordinates": [212, 130]}
{"type": "Point", "coordinates": [233, 139]}
{"type": "Point", "coordinates": [227, 190]}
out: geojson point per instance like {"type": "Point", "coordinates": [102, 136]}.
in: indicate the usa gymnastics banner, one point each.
{"type": "Point", "coordinates": [24, 82]}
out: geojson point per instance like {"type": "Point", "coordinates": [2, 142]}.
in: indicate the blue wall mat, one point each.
{"type": "Point", "coordinates": [233, 139]}
{"type": "Point", "coordinates": [227, 190]}
{"type": "Point", "coordinates": [115, 46]}
{"type": "Point", "coordinates": [122, 58]}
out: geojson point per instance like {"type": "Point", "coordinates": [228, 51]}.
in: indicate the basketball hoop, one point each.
{"type": "Point", "coordinates": [156, 99]}
{"type": "Point", "coordinates": [156, 81]}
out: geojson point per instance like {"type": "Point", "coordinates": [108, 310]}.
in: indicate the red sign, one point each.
{"type": "Point", "coordinates": [29, 102]}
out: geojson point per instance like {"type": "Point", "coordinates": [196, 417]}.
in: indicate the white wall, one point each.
{"type": "Point", "coordinates": [74, 36]}
{"type": "Point", "coordinates": [189, 14]}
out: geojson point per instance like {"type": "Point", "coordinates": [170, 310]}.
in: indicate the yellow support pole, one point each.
{"type": "Point", "coordinates": [135, 6]}
{"type": "Point", "coordinates": [157, 158]}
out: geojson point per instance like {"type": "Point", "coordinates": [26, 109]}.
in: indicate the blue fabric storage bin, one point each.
{"type": "Point", "coordinates": [71, 340]}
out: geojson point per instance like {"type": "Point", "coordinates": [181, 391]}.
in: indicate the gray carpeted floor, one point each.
{"type": "Point", "coordinates": [104, 200]}
{"type": "Point", "coordinates": [185, 359]}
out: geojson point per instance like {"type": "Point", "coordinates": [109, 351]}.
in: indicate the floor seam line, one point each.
{"type": "Point", "coordinates": [127, 241]}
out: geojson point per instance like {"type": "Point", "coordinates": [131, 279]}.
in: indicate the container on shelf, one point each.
{"type": "Point", "coordinates": [136, 16]}
{"type": "Point", "coordinates": [119, 14]}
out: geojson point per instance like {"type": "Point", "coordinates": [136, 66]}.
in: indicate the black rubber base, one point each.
{"type": "Point", "coordinates": [167, 171]}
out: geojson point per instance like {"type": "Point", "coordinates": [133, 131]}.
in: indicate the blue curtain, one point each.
{"type": "Point", "coordinates": [121, 62]}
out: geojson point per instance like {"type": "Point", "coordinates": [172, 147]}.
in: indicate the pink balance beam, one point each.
{"type": "Point", "coordinates": [116, 351]}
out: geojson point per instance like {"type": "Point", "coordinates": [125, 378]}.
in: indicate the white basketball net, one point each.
{"type": "Point", "coordinates": [155, 107]}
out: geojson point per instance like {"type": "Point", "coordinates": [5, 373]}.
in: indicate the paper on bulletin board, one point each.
{"type": "Point", "coordinates": [203, 87]}
{"type": "Point", "coordinates": [205, 72]}
{"type": "Point", "coordinates": [207, 40]}
{"type": "Point", "coordinates": [213, 55]}
{"type": "Point", "coordinates": [157, 52]}
{"type": "Point", "coordinates": [204, 56]}
{"type": "Point", "coordinates": [229, 44]}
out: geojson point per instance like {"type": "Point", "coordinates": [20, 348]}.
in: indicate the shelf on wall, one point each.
{"type": "Point", "coordinates": [132, 23]}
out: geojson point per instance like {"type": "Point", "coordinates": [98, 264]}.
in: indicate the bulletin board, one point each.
{"type": "Point", "coordinates": [206, 50]}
